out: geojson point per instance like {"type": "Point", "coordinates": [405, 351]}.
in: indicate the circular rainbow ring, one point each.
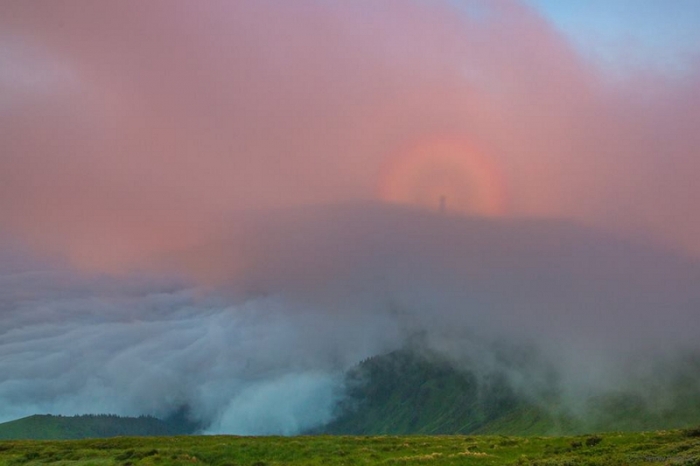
{"type": "Point", "coordinates": [447, 170]}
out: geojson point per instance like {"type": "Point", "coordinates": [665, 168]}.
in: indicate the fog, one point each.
{"type": "Point", "coordinates": [225, 205]}
{"type": "Point", "coordinates": [265, 350]}
{"type": "Point", "coordinates": [258, 366]}
{"type": "Point", "coordinates": [133, 129]}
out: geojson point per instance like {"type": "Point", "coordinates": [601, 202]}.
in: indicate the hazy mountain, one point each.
{"type": "Point", "coordinates": [545, 322]}
{"type": "Point", "coordinates": [418, 391]}
{"type": "Point", "coordinates": [415, 391]}
{"type": "Point", "coordinates": [45, 427]}
{"type": "Point", "coordinates": [406, 392]}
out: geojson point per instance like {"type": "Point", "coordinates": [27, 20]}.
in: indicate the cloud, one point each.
{"type": "Point", "coordinates": [265, 350]}
{"type": "Point", "coordinates": [289, 405]}
{"type": "Point", "coordinates": [147, 125]}
{"type": "Point", "coordinates": [139, 344]}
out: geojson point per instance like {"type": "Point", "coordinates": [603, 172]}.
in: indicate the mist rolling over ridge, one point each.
{"type": "Point", "coordinates": [266, 351]}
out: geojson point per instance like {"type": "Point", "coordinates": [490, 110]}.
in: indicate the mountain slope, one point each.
{"type": "Point", "coordinates": [417, 392]}
{"type": "Point", "coordinates": [406, 392]}
{"type": "Point", "coordinates": [49, 427]}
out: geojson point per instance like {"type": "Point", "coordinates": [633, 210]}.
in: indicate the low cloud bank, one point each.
{"type": "Point", "coordinates": [139, 345]}
{"type": "Point", "coordinates": [264, 352]}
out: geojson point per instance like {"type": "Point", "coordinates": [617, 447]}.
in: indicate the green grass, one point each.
{"type": "Point", "coordinates": [653, 448]}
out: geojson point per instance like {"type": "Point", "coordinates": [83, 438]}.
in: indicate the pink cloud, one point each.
{"type": "Point", "coordinates": [154, 122]}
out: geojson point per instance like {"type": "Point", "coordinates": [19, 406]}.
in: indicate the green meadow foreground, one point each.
{"type": "Point", "coordinates": [662, 447]}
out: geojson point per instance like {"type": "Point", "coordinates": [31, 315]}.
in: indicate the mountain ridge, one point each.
{"type": "Point", "coordinates": [58, 427]}
{"type": "Point", "coordinates": [417, 391]}
{"type": "Point", "coordinates": [411, 391]}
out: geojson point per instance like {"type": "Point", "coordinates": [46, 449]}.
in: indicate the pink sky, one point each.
{"type": "Point", "coordinates": [129, 129]}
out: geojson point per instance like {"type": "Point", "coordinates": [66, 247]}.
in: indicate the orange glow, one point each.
{"type": "Point", "coordinates": [429, 170]}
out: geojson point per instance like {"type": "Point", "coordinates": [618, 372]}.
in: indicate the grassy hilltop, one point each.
{"type": "Point", "coordinates": [664, 447]}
